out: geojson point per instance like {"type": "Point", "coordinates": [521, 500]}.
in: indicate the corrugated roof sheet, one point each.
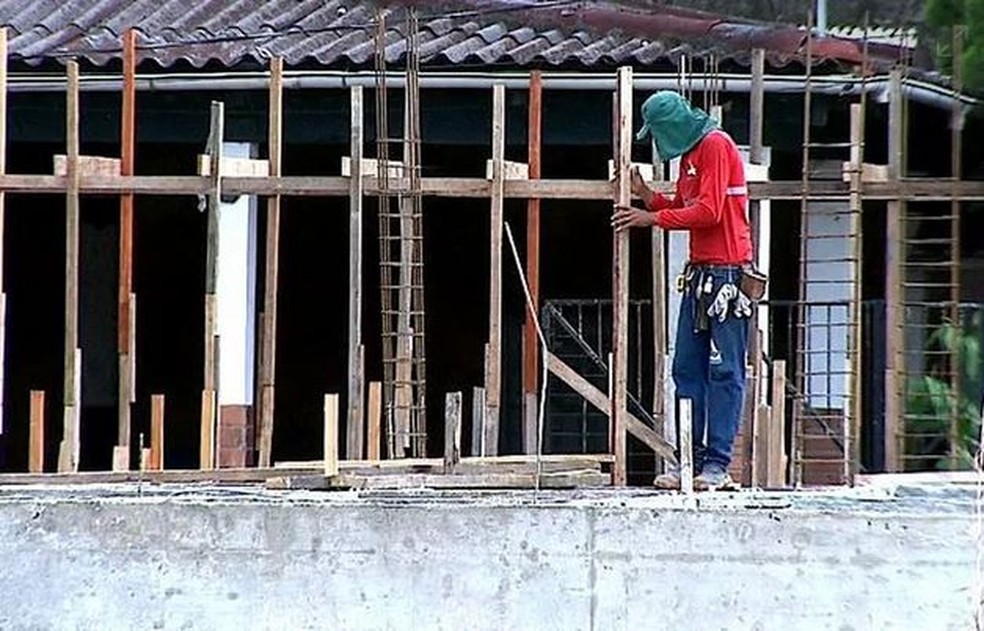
{"type": "Point", "coordinates": [339, 33]}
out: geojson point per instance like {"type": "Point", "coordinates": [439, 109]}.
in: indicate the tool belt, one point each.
{"type": "Point", "coordinates": [751, 281]}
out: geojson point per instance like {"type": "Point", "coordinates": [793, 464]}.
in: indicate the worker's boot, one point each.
{"type": "Point", "coordinates": [669, 481]}
{"type": "Point", "coordinates": [714, 477]}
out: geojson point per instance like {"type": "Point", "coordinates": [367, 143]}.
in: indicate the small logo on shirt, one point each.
{"type": "Point", "coordinates": [691, 169]}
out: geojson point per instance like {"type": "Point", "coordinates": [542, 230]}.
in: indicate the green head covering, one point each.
{"type": "Point", "coordinates": [674, 124]}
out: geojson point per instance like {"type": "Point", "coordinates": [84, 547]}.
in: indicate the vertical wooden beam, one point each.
{"type": "Point", "coordinates": [356, 375]}
{"type": "Point", "coordinates": [69, 451]}
{"type": "Point", "coordinates": [478, 422]}
{"type": "Point", "coordinates": [777, 459]}
{"type": "Point", "coordinates": [756, 151]}
{"type": "Point", "coordinates": [211, 341]}
{"type": "Point", "coordinates": [660, 322]}
{"type": "Point", "coordinates": [686, 446]}
{"type": "Point", "coordinates": [3, 170]}
{"type": "Point", "coordinates": [452, 431]}
{"type": "Point", "coordinates": [531, 432]}
{"type": "Point", "coordinates": [530, 341]}
{"type": "Point", "coordinates": [157, 432]}
{"type": "Point", "coordinates": [894, 235]}
{"type": "Point", "coordinates": [35, 459]}
{"type": "Point", "coordinates": [852, 431]}
{"type": "Point", "coordinates": [620, 275]}
{"type": "Point", "coordinates": [268, 346]}
{"type": "Point", "coordinates": [206, 453]}
{"type": "Point", "coordinates": [375, 420]}
{"type": "Point", "coordinates": [331, 435]}
{"type": "Point", "coordinates": [956, 168]}
{"type": "Point", "coordinates": [493, 367]}
{"type": "Point", "coordinates": [125, 327]}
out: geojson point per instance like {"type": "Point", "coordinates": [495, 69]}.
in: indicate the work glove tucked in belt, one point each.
{"type": "Point", "coordinates": [743, 306]}
{"type": "Point", "coordinates": [719, 308]}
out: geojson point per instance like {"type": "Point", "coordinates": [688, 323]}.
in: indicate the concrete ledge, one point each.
{"type": "Point", "coordinates": [198, 557]}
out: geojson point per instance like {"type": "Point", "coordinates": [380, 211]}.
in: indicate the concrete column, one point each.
{"type": "Point", "coordinates": [236, 317]}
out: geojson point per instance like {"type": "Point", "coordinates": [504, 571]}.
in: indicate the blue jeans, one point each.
{"type": "Point", "coordinates": [709, 369]}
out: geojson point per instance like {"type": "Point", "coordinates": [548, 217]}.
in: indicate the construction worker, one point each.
{"type": "Point", "coordinates": [710, 203]}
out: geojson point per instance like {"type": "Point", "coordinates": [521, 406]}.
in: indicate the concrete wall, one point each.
{"type": "Point", "coordinates": [194, 559]}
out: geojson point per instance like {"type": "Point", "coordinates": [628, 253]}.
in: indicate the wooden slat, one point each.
{"type": "Point", "coordinates": [125, 321]}
{"type": "Point", "coordinates": [852, 433]}
{"type": "Point", "coordinates": [157, 432]}
{"type": "Point", "coordinates": [530, 420]}
{"type": "Point", "coordinates": [35, 459]}
{"type": "Point", "coordinates": [620, 274]}
{"type": "Point", "coordinates": [478, 422]}
{"type": "Point", "coordinates": [216, 139]}
{"type": "Point", "coordinates": [686, 446]}
{"type": "Point", "coordinates": [375, 420]}
{"type": "Point", "coordinates": [493, 365]}
{"type": "Point", "coordinates": [235, 167]}
{"type": "Point", "coordinates": [206, 454]}
{"type": "Point", "coordinates": [89, 166]}
{"type": "Point", "coordinates": [356, 369]}
{"type": "Point", "coordinates": [268, 352]}
{"type": "Point", "coordinates": [452, 431]}
{"type": "Point", "coordinates": [3, 200]}
{"type": "Point", "coordinates": [471, 464]}
{"type": "Point", "coordinates": [597, 398]}
{"type": "Point", "coordinates": [331, 435]}
{"type": "Point", "coordinates": [531, 344]}
{"type": "Point", "coordinates": [68, 455]}
{"type": "Point", "coordinates": [894, 255]}
{"type": "Point", "coordinates": [776, 476]}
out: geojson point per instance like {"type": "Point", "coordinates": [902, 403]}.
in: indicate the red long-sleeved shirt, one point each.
{"type": "Point", "coordinates": [710, 202]}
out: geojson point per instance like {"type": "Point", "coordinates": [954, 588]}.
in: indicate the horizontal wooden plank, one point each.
{"type": "Point", "coordinates": [510, 170]}
{"type": "Point", "coordinates": [88, 166]}
{"type": "Point", "coordinates": [869, 172]}
{"type": "Point", "coordinates": [477, 466]}
{"type": "Point", "coordinates": [169, 476]}
{"type": "Point", "coordinates": [370, 167]}
{"type": "Point", "coordinates": [439, 481]}
{"type": "Point", "coordinates": [234, 167]}
{"type": "Point", "coordinates": [437, 462]}
{"type": "Point", "coordinates": [923, 189]}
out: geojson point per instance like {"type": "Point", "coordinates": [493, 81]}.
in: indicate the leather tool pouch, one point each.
{"type": "Point", "coordinates": [753, 283]}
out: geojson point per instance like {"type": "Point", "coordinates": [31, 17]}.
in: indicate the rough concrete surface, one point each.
{"type": "Point", "coordinates": [188, 557]}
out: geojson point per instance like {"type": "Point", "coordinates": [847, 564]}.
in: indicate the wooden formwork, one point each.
{"type": "Point", "coordinates": [218, 175]}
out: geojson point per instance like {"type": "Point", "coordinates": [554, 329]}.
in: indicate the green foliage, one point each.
{"type": "Point", "coordinates": [941, 17]}
{"type": "Point", "coordinates": [930, 404]}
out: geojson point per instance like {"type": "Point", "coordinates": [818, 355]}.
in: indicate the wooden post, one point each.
{"type": "Point", "coordinates": [493, 366]}
{"type": "Point", "coordinates": [852, 429]}
{"type": "Point", "coordinates": [69, 451]}
{"type": "Point", "coordinates": [531, 343]}
{"type": "Point", "coordinates": [756, 151]}
{"type": "Point", "coordinates": [776, 475]}
{"type": "Point", "coordinates": [125, 322]}
{"type": "Point", "coordinates": [478, 422]}
{"type": "Point", "coordinates": [375, 419]}
{"type": "Point", "coordinates": [206, 454]}
{"type": "Point", "coordinates": [356, 380]}
{"type": "Point", "coordinates": [894, 235]}
{"type": "Point", "coordinates": [3, 170]}
{"type": "Point", "coordinates": [620, 276]}
{"type": "Point", "coordinates": [956, 169]}
{"type": "Point", "coordinates": [331, 435]}
{"type": "Point", "coordinates": [35, 459]}
{"type": "Point", "coordinates": [268, 347]}
{"type": "Point", "coordinates": [686, 446]}
{"type": "Point", "coordinates": [452, 431]}
{"type": "Point", "coordinates": [157, 432]}
{"type": "Point", "coordinates": [211, 362]}
{"type": "Point", "coordinates": [531, 434]}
